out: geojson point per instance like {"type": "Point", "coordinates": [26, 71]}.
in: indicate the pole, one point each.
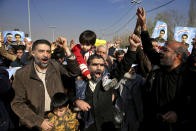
{"type": "Point", "coordinates": [53, 35]}
{"type": "Point", "coordinates": [53, 28]}
{"type": "Point", "coordinates": [29, 19]}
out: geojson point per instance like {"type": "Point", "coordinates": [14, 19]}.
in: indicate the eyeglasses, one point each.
{"type": "Point", "coordinates": [166, 50]}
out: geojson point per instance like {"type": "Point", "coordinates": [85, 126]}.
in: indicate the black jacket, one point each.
{"type": "Point", "coordinates": [165, 91]}
{"type": "Point", "coordinates": [130, 102]}
{"type": "Point", "coordinates": [16, 63]}
{"type": "Point", "coordinates": [101, 101]}
{"type": "Point", "coordinates": [5, 87]}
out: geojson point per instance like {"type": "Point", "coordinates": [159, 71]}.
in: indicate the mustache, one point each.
{"type": "Point", "coordinates": [98, 71]}
{"type": "Point", "coordinates": [45, 58]}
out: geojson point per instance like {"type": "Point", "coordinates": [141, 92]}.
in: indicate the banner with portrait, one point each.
{"type": "Point", "coordinates": [160, 32]}
{"type": "Point", "coordinates": [185, 35]}
{"type": "Point", "coordinates": [12, 34]}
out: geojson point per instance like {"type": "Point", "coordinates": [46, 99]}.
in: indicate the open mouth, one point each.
{"type": "Point", "coordinates": [98, 74]}
{"type": "Point", "coordinates": [45, 61]}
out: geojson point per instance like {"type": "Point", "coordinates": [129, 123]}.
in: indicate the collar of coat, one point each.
{"type": "Point", "coordinates": [50, 70]}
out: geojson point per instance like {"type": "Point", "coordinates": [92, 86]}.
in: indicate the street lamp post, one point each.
{"type": "Point", "coordinates": [29, 20]}
{"type": "Point", "coordinates": [53, 28]}
{"type": "Point", "coordinates": [137, 2]}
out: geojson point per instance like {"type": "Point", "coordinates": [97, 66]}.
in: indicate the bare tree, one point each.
{"type": "Point", "coordinates": [151, 25]}
{"type": "Point", "coordinates": [124, 39]}
{"type": "Point", "coordinates": [173, 18]}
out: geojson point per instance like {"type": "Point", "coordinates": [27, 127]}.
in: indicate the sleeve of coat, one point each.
{"type": "Point", "coordinates": [148, 48]}
{"type": "Point", "coordinates": [82, 63]}
{"type": "Point", "coordinates": [143, 62]}
{"type": "Point", "coordinates": [7, 55]}
{"type": "Point", "coordinates": [124, 65]}
{"type": "Point", "coordinates": [137, 97]}
{"type": "Point", "coordinates": [71, 69]}
{"type": "Point", "coordinates": [25, 59]}
{"type": "Point", "coordinates": [19, 105]}
{"type": "Point", "coordinates": [4, 82]}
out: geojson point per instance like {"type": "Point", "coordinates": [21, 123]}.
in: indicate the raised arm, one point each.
{"type": "Point", "coordinates": [137, 29]}
{"type": "Point", "coordinates": [6, 54]}
{"type": "Point", "coordinates": [72, 68]}
{"type": "Point", "coordinates": [82, 63]}
{"type": "Point", "coordinates": [26, 56]}
{"type": "Point", "coordinates": [152, 54]}
{"type": "Point", "coordinates": [128, 59]}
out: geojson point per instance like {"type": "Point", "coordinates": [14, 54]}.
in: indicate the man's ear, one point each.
{"type": "Point", "coordinates": [179, 56]}
{"type": "Point", "coordinates": [33, 53]}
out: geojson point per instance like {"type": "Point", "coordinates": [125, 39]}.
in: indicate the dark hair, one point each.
{"type": "Point", "coordinates": [162, 31]}
{"type": "Point", "coordinates": [185, 35]}
{"type": "Point", "coordinates": [153, 40]}
{"type": "Point", "coordinates": [59, 100]}
{"type": "Point", "coordinates": [87, 37]}
{"type": "Point", "coordinates": [20, 47]}
{"type": "Point", "coordinates": [94, 56]}
{"type": "Point", "coordinates": [17, 35]}
{"type": "Point", "coordinates": [9, 34]}
{"type": "Point", "coordinates": [41, 41]}
{"type": "Point", "coordinates": [119, 52]}
{"type": "Point", "coordinates": [58, 53]}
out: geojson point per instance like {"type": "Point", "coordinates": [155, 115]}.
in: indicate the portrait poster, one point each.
{"type": "Point", "coordinates": [13, 35]}
{"type": "Point", "coordinates": [181, 33]}
{"type": "Point", "coordinates": [160, 33]}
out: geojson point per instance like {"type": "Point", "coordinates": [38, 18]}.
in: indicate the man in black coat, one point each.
{"type": "Point", "coordinates": [166, 97]}
{"type": "Point", "coordinates": [98, 101]}
{"type": "Point", "coordinates": [5, 120]}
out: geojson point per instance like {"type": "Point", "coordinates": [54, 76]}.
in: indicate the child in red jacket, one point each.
{"type": "Point", "coordinates": [82, 52]}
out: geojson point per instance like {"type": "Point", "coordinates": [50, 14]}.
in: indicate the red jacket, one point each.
{"type": "Point", "coordinates": [82, 60]}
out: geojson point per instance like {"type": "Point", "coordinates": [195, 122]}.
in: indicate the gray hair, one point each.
{"type": "Point", "coordinates": [183, 52]}
{"type": "Point", "coordinates": [104, 46]}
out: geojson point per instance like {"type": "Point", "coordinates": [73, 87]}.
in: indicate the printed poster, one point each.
{"type": "Point", "coordinates": [13, 35]}
{"type": "Point", "coordinates": [185, 35]}
{"type": "Point", "coordinates": [160, 33]}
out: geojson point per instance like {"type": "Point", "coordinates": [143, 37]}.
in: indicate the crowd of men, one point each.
{"type": "Point", "coordinates": [144, 88]}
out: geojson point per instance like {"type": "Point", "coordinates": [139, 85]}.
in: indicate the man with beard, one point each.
{"type": "Point", "coordinates": [37, 82]}
{"type": "Point", "coordinates": [98, 101]}
{"type": "Point", "coordinates": [165, 96]}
